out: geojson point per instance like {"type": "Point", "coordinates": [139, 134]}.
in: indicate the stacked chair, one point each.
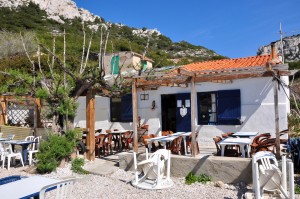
{"type": "Point", "coordinates": [150, 173]}
{"type": "Point", "coordinates": [268, 177]}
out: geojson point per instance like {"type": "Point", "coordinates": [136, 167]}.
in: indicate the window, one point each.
{"type": "Point", "coordinates": [121, 109]}
{"type": "Point", "coordinates": [114, 64]}
{"type": "Point", "coordinates": [219, 107]}
{"type": "Point", "coordinates": [207, 108]}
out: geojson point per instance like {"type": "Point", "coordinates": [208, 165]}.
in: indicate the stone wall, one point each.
{"type": "Point", "coordinates": [229, 170]}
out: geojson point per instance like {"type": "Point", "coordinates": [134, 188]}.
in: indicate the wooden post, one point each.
{"type": "Point", "coordinates": [3, 112]}
{"type": "Point", "coordinates": [38, 112]}
{"type": "Point", "coordinates": [193, 116]}
{"type": "Point", "coordinates": [90, 125]}
{"type": "Point", "coordinates": [36, 115]}
{"type": "Point", "coordinates": [135, 116]}
{"type": "Point", "coordinates": [275, 89]}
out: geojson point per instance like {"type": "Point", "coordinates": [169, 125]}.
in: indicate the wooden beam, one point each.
{"type": "Point", "coordinates": [90, 125]}
{"type": "Point", "coordinates": [3, 110]}
{"type": "Point", "coordinates": [193, 117]}
{"type": "Point", "coordinates": [209, 78]}
{"type": "Point", "coordinates": [135, 115]}
{"type": "Point", "coordinates": [230, 70]}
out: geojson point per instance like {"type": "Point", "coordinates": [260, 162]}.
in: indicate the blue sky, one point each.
{"type": "Point", "coordinates": [233, 28]}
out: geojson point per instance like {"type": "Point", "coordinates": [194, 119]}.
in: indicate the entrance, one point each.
{"type": "Point", "coordinates": [176, 112]}
{"type": "Point", "coordinates": [168, 110]}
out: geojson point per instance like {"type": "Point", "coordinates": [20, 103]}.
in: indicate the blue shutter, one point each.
{"type": "Point", "coordinates": [229, 107]}
{"type": "Point", "coordinates": [183, 123]}
{"type": "Point", "coordinates": [126, 108]}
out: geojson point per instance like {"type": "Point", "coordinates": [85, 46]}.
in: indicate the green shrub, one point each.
{"type": "Point", "coordinates": [53, 151]}
{"type": "Point", "coordinates": [297, 189]}
{"type": "Point", "coordinates": [192, 178]}
{"type": "Point", "coordinates": [77, 164]}
{"type": "Point", "coordinates": [203, 178]}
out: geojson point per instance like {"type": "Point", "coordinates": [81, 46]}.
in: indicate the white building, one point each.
{"type": "Point", "coordinates": [232, 95]}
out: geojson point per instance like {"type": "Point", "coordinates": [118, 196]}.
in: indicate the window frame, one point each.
{"type": "Point", "coordinates": [227, 113]}
{"type": "Point", "coordinates": [123, 112]}
{"type": "Point", "coordinates": [199, 108]}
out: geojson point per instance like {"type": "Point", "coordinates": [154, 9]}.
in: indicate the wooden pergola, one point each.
{"type": "Point", "coordinates": [37, 108]}
{"type": "Point", "coordinates": [183, 78]}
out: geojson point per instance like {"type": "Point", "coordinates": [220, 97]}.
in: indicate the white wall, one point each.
{"type": "Point", "coordinates": [102, 115]}
{"type": "Point", "coordinates": [257, 108]}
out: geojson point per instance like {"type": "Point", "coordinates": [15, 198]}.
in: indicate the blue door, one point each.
{"type": "Point", "coordinates": [183, 112]}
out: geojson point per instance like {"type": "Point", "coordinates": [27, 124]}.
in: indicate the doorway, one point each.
{"type": "Point", "coordinates": [168, 110]}
{"type": "Point", "coordinates": [176, 112]}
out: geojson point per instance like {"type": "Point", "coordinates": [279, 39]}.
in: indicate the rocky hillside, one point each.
{"type": "Point", "coordinates": [44, 16]}
{"type": "Point", "coordinates": [291, 48]}
{"type": "Point", "coordinates": [55, 9]}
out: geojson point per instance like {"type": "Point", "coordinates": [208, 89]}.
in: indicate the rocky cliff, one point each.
{"type": "Point", "coordinates": [291, 48]}
{"type": "Point", "coordinates": [55, 9]}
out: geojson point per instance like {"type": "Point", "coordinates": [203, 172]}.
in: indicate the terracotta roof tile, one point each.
{"type": "Point", "coordinates": [222, 64]}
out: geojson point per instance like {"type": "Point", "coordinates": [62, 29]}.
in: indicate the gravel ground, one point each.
{"type": "Point", "coordinates": [117, 185]}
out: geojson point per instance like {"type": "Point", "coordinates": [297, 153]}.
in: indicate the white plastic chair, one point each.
{"type": "Point", "coordinates": [153, 169]}
{"type": "Point", "coordinates": [62, 188]}
{"type": "Point", "coordinates": [33, 148]}
{"type": "Point", "coordinates": [266, 174]}
{"type": "Point", "coordinates": [29, 138]}
{"type": "Point", "coordinates": [8, 154]}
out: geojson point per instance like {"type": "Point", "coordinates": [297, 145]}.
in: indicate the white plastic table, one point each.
{"type": "Point", "coordinates": [150, 140]}
{"type": "Point", "coordinates": [24, 144]}
{"type": "Point", "coordinates": [242, 142]}
{"type": "Point", "coordinates": [169, 138]}
{"type": "Point", "coordinates": [245, 134]}
{"type": "Point", "coordinates": [25, 188]}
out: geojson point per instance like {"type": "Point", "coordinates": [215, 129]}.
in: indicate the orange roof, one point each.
{"type": "Point", "coordinates": [222, 64]}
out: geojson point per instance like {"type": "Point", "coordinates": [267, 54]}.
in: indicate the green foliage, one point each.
{"type": "Point", "coordinates": [24, 17]}
{"type": "Point", "coordinates": [77, 164]}
{"type": "Point", "coordinates": [54, 150]}
{"type": "Point", "coordinates": [41, 93]}
{"type": "Point", "coordinates": [202, 178]}
{"type": "Point", "coordinates": [67, 106]}
{"type": "Point", "coordinates": [297, 189]}
{"type": "Point", "coordinates": [190, 178]}
{"type": "Point", "coordinates": [294, 65]}
{"type": "Point", "coordinates": [294, 124]}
